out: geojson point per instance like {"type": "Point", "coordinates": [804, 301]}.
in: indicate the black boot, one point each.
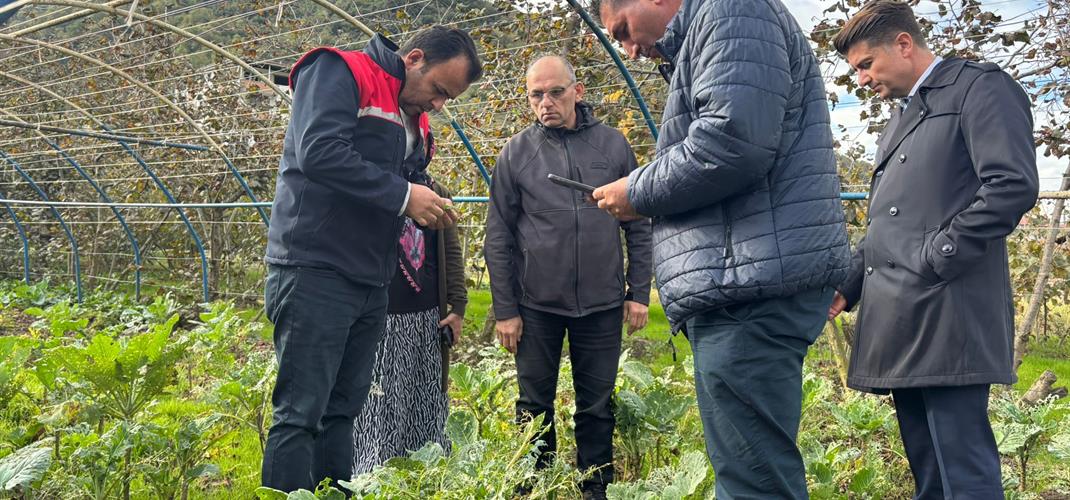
{"type": "Point", "coordinates": [593, 491]}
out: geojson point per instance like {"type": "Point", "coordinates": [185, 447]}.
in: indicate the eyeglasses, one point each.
{"type": "Point", "coordinates": [555, 94]}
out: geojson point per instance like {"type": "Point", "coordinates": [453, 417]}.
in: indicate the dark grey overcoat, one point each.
{"type": "Point", "coordinates": [955, 171]}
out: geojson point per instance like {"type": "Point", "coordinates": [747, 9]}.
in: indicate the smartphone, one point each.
{"type": "Point", "coordinates": [569, 183]}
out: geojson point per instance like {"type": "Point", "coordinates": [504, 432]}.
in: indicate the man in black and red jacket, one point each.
{"type": "Point", "coordinates": [356, 147]}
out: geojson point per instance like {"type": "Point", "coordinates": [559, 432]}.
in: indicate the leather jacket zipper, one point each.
{"type": "Point", "coordinates": [576, 213]}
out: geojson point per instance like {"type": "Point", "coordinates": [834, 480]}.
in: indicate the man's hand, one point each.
{"type": "Point", "coordinates": [509, 332]}
{"type": "Point", "coordinates": [428, 209]}
{"type": "Point", "coordinates": [635, 315]}
{"type": "Point", "coordinates": [838, 305]}
{"type": "Point", "coordinates": [613, 198]}
{"type": "Point", "coordinates": [455, 323]}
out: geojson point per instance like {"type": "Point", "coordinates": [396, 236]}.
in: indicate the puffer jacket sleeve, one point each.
{"type": "Point", "coordinates": [851, 287]}
{"type": "Point", "coordinates": [741, 80]}
{"type": "Point", "coordinates": [637, 237]}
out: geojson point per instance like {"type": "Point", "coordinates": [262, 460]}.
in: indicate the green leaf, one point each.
{"type": "Point", "coordinates": [330, 493]}
{"type": "Point", "coordinates": [404, 464]}
{"type": "Point", "coordinates": [629, 491]}
{"type": "Point", "coordinates": [203, 470]}
{"type": "Point", "coordinates": [265, 493]}
{"type": "Point", "coordinates": [19, 470]}
{"type": "Point", "coordinates": [814, 391]}
{"type": "Point", "coordinates": [638, 373]}
{"type": "Point", "coordinates": [462, 428]}
{"type": "Point", "coordinates": [48, 366]}
{"type": "Point", "coordinates": [629, 408]}
{"type": "Point", "coordinates": [1060, 444]}
{"type": "Point", "coordinates": [692, 471]}
{"type": "Point", "coordinates": [821, 471]}
{"type": "Point", "coordinates": [664, 409]}
{"type": "Point", "coordinates": [429, 454]}
{"type": "Point", "coordinates": [301, 495]}
{"type": "Point", "coordinates": [862, 480]}
{"type": "Point", "coordinates": [1012, 438]}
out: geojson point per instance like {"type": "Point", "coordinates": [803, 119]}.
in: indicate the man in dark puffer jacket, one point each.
{"type": "Point", "coordinates": [748, 231]}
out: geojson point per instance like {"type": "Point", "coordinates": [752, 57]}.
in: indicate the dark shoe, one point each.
{"type": "Point", "coordinates": [522, 490]}
{"type": "Point", "coordinates": [594, 491]}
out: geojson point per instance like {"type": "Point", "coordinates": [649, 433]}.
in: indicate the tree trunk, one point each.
{"type": "Point", "coordinates": [572, 28]}
{"type": "Point", "coordinates": [840, 339]}
{"type": "Point", "coordinates": [215, 252]}
{"type": "Point", "coordinates": [126, 475]}
{"type": "Point", "coordinates": [1042, 388]}
{"type": "Point", "coordinates": [1021, 340]}
{"type": "Point", "coordinates": [487, 335]}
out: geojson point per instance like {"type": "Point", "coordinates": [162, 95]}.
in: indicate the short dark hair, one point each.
{"type": "Point", "coordinates": [440, 44]}
{"type": "Point", "coordinates": [878, 22]}
{"type": "Point", "coordinates": [595, 8]}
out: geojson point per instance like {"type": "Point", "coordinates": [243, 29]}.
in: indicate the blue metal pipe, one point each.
{"type": "Point", "coordinates": [25, 241]}
{"type": "Point", "coordinates": [471, 150]}
{"type": "Point", "coordinates": [59, 218]}
{"type": "Point", "coordinates": [470, 199]}
{"type": "Point", "coordinates": [245, 187]}
{"type": "Point", "coordinates": [620, 65]}
{"type": "Point", "coordinates": [118, 215]}
{"type": "Point", "coordinates": [181, 214]}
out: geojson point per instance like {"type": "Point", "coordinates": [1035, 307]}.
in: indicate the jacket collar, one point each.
{"type": "Point", "coordinates": [584, 119]}
{"type": "Point", "coordinates": [944, 74]}
{"type": "Point", "coordinates": [904, 121]}
{"type": "Point", "coordinates": [670, 43]}
{"type": "Point", "coordinates": [384, 53]}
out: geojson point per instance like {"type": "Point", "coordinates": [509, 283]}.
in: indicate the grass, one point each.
{"type": "Point", "coordinates": [233, 458]}
{"type": "Point", "coordinates": [1034, 365]}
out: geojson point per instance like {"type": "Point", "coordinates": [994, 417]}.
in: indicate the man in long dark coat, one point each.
{"type": "Point", "coordinates": [954, 173]}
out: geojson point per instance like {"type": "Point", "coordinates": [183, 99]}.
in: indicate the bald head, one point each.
{"type": "Point", "coordinates": [553, 91]}
{"type": "Point", "coordinates": [552, 64]}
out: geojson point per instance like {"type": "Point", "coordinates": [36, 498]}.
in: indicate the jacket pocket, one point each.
{"type": "Point", "coordinates": [924, 264]}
